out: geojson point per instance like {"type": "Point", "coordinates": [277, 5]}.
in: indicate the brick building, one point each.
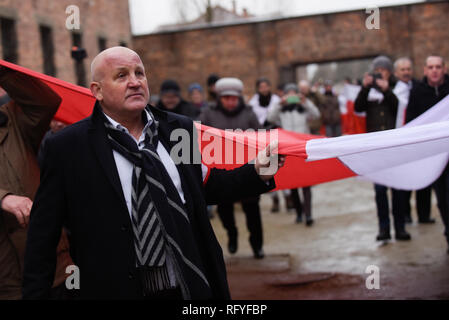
{"type": "Point", "coordinates": [34, 34]}
{"type": "Point", "coordinates": [275, 48]}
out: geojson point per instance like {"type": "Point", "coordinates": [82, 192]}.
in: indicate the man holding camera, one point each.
{"type": "Point", "coordinates": [377, 99]}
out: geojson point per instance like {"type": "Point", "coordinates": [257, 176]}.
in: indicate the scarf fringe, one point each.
{"type": "Point", "coordinates": [155, 279]}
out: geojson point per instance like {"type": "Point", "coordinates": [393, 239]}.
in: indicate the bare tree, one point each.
{"type": "Point", "coordinates": [190, 9]}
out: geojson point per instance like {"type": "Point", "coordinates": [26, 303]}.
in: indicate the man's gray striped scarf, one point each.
{"type": "Point", "coordinates": [164, 243]}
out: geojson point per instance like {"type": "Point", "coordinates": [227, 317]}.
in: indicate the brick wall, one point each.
{"type": "Point", "coordinates": [108, 19]}
{"type": "Point", "coordinates": [251, 50]}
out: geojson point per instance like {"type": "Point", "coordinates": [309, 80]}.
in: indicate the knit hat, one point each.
{"type": "Point", "coordinates": [229, 87]}
{"type": "Point", "coordinates": [291, 87]}
{"type": "Point", "coordinates": [170, 86]}
{"type": "Point", "coordinates": [195, 86]}
{"type": "Point", "coordinates": [212, 79]}
{"type": "Point", "coordinates": [382, 62]}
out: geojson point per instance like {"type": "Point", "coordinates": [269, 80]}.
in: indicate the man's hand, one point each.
{"type": "Point", "coordinates": [382, 84]}
{"type": "Point", "coordinates": [20, 207]}
{"type": "Point", "coordinates": [367, 80]}
{"type": "Point", "coordinates": [266, 158]}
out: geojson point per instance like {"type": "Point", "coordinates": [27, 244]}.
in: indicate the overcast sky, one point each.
{"type": "Point", "coordinates": [147, 15]}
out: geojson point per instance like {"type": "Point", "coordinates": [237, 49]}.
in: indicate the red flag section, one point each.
{"type": "Point", "coordinates": [297, 172]}
{"type": "Point", "coordinates": [77, 103]}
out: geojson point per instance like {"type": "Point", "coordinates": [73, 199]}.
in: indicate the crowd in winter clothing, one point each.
{"type": "Point", "coordinates": [389, 97]}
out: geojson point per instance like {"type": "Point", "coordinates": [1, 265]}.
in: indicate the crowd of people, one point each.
{"type": "Point", "coordinates": [98, 197]}
{"type": "Point", "coordinates": [389, 97]}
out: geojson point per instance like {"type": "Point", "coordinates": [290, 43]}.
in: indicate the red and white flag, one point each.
{"type": "Point", "coordinates": [409, 158]}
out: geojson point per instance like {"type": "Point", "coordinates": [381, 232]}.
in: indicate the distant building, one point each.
{"type": "Point", "coordinates": [281, 48]}
{"type": "Point", "coordinates": [34, 34]}
{"type": "Point", "coordinates": [215, 14]}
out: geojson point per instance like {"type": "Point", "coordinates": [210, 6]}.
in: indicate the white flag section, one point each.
{"type": "Point", "coordinates": [408, 158]}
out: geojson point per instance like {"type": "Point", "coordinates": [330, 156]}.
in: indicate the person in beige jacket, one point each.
{"type": "Point", "coordinates": [23, 122]}
{"type": "Point", "coordinates": [294, 113]}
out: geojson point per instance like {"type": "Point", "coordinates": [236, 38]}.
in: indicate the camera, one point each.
{"type": "Point", "coordinates": [375, 77]}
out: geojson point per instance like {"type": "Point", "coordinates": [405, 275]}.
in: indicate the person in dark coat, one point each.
{"type": "Point", "coordinates": [232, 113]}
{"type": "Point", "coordinates": [377, 99]}
{"type": "Point", "coordinates": [403, 71]}
{"type": "Point", "coordinates": [330, 111]}
{"type": "Point", "coordinates": [171, 100]}
{"type": "Point", "coordinates": [137, 221]}
{"type": "Point", "coordinates": [431, 90]}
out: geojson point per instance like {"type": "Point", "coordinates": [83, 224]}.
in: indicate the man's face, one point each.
{"type": "Point", "coordinates": [403, 71]}
{"type": "Point", "coordinates": [304, 88]}
{"type": "Point", "coordinates": [384, 72]}
{"type": "Point", "coordinates": [170, 100]}
{"type": "Point", "coordinates": [196, 97]}
{"type": "Point", "coordinates": [434, 70]}
{"type": "Point", "coordinates": [264, 89]}
{"type": "Point", "coordinates": [229, 102]}
{"type": "Point", "coordinates": [122, 86]}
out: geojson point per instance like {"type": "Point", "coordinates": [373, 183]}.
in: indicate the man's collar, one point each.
{"type": "Point", "coordinates": [146, 118]}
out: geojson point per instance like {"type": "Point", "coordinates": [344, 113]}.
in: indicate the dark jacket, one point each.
{"type": "Point", "coordinates": [379, 115]}
{"type": "Point", "coordinates": [27, 115]}
{"type": "Point", "coordinates": [330, 110]}
{"type": "Point", "coordinates": [423, 97]}
{"type": "Point", "coordinates": [81, 189]}
{"type": "Point", "coordinates": [242, 117]}
{"type": "Point", "coordinates": [183, 108]}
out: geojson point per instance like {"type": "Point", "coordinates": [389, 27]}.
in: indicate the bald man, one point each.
{"type": "Point", "coordinates": [137, 220]}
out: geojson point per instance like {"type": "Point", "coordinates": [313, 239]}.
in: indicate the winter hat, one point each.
{"type": "Point", "coordinates": [212, 79]}
{"type": "Point", "coordinates": [229, 87]}
{"type": "Point", "coordinates": [382, 62]}
{"type": "Point", "coordinates": [195, 86]}
{"type": "Point", "coordinates": [170, 86]}
{"type": "Point", "coordinates": [291, 87]}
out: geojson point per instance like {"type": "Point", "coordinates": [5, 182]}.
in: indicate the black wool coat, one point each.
{"type": "Point", "coordinates": [80, 190]}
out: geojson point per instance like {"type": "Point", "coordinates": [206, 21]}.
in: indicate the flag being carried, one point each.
{"type": "Point", "coordinates": [408, 158]}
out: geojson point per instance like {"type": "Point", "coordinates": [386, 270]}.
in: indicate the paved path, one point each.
{"type": "Point", "coordinates": [329, 259]}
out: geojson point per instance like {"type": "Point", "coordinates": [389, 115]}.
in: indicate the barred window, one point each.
{"type": "Point", "coordinates": [9, 40]}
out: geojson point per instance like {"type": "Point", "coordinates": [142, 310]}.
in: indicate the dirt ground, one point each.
{"type": "Point", "coordinates": [329, 260]}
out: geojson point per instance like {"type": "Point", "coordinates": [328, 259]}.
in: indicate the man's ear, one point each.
{"type": "Point", "coordinates": [95, 88]}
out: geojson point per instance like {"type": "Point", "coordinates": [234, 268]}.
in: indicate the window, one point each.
{"type": "Point", "coordinates": [80, 70]}
{"type": "Point", "coordinates": [47, 50]}
{"type": "Point", "coordinates": [101, 44]}
{"type": "Point", "coordinates": [9, 40]}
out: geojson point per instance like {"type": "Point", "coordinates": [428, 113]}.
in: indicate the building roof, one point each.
{"type": "Point", "coordinates": [219, 15]}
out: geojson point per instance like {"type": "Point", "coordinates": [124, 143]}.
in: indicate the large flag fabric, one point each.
{"type": "Point", "coordinates": [77, 102]}
{"type": "Point", "coordinates": [408, 158]}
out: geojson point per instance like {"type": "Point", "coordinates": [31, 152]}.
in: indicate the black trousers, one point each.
{"type": "Point", "coordinates": [423, 203]}
{"type": "Point", "coordinates": [251, 209]}
{"type": "Point", "coordinates": [307, 206]}
{"type": "Point", "coordinates": [441, 187]}
{"type": "Point", "coordinates": [383, 209]}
